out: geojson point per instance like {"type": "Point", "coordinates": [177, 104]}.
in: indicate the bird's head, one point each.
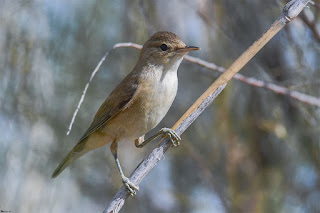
{"type": "Point", "coordinates": [165, 48]}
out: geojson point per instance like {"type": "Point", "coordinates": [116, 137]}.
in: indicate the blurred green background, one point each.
{"type": "Point", "coordinates": [251, 151]}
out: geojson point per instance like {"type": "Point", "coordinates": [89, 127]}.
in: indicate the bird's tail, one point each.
{"type": "Point", "coordinates": [73, 155]}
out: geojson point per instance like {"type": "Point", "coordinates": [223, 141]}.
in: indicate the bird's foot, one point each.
{"type": "Point", "coordinates": [131, 187]}
{"type": "Point", "coordinates": [173, 136]}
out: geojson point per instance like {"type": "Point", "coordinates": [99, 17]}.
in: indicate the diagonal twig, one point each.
{"type": "Point", "coordinates": [290, 11]}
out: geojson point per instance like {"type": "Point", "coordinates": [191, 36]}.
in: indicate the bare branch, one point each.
{"type": "Point", "coordinates": [307, 99]}
{"type": "Point", "coordinates": [93, 74]}
{"type": "Point", "coordinates": [311, 24]}
{"type": "Point", "coordinates": [291, 10]}
{"type": "Point", "coordinates": [86, 88]}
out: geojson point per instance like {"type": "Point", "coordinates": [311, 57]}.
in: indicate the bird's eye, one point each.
{"type": "Point", "coordinates": [164, 47]}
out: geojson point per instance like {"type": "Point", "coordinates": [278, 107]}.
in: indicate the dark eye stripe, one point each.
{"type": "Point", "coordinates": [164, 47]}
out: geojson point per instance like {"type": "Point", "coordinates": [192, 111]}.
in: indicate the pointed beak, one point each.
{"type": "Point", "coordinates": [187, 49]}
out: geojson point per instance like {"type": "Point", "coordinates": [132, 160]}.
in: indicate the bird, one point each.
{"type": "Point", "coordinates": [137, 104]}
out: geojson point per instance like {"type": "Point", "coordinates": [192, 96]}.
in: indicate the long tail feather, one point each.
{"type": "Point", "coordinates": [73, 155]}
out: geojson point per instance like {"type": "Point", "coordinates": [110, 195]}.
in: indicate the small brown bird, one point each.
{"type": "Point", "coordinates": [137, 104]}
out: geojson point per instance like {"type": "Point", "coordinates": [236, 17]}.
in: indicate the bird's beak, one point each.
{"type": "Point", "coordinates": [187, 49]}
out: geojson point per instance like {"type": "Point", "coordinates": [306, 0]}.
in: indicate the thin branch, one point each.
{"type": "Point", "coordinates": [86, 88]}
{"type": "Point", "coordinates": [290, 11]}
{"type": "Point", "coordinates": [311, 24]}
{"type": "Point", "coordinates": [307, 99]}
{"type": "Point", "coordinates": [93, 74]}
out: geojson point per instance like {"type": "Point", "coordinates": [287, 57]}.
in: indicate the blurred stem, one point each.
{"type": "Point", "coordinates": [311, 24]}
{"type": "Point", "coordinates": [205, 173]}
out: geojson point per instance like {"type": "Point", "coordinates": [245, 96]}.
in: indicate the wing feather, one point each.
{"type": "Point", "coordinates": [120, 98]}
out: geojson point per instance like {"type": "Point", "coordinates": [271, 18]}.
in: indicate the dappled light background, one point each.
{"type": "Point", "coordinates": [252, 151]}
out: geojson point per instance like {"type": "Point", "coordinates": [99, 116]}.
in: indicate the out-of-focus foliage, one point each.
{"type": "Point", "coordinates": [251, 151]}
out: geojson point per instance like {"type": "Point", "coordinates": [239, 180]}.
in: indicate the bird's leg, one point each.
{"type": "Point", "coordinates": [126, 182]}
{"type": "Point", "coordinates": [173, 136]}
